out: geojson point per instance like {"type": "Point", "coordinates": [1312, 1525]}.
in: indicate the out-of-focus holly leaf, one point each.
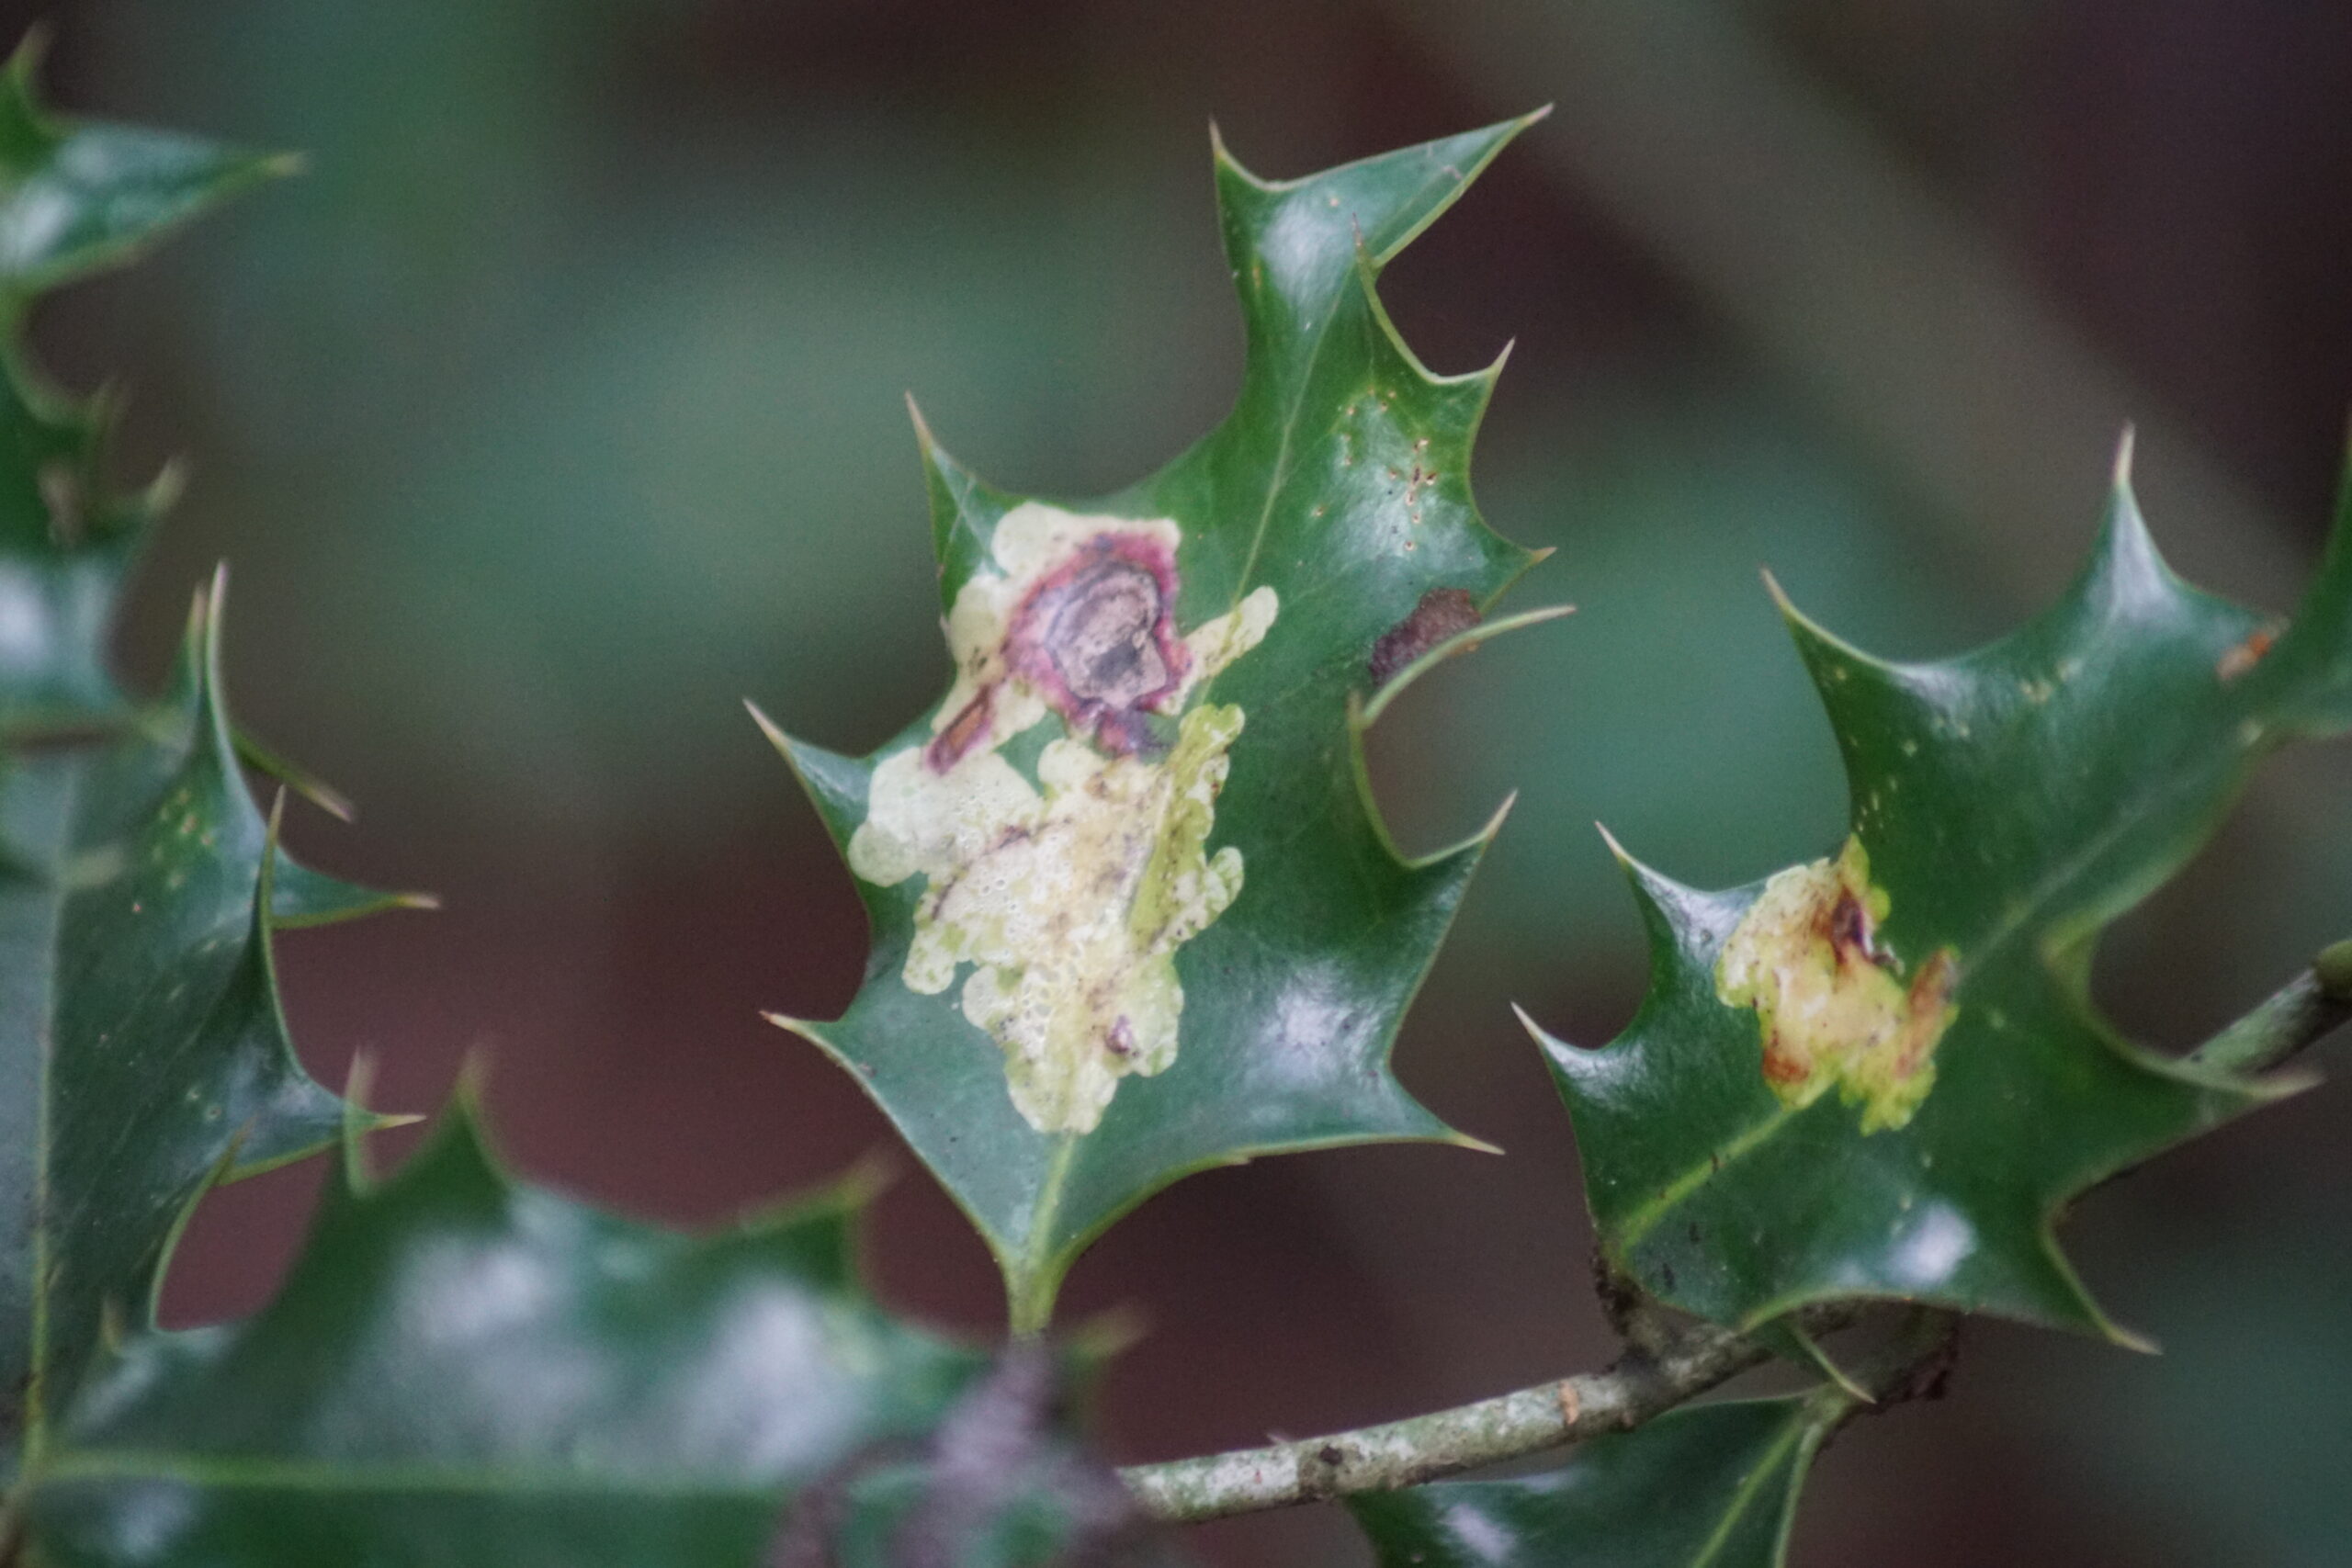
{"type": "Point", "coordinates": [1881, 1074]}
{"type": "Point", "coordinates": [1706, 1486]}
{"type": "Point", "coordinates": [76, 198]}
{"type": "Point", "coordinates": [1135, 913]}
{"type": "Point", "coordinates": [140, 1043]}
{"type": "Point", "coordinates": [464, 1370]}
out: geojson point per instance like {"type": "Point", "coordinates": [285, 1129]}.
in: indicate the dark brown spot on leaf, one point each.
{"type": "Point", "coordinates": [949, 745]}
{"type": "Point", "coordinates": [1442, 613]}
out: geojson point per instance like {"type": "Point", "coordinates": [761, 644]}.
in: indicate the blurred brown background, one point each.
{"type": "Point", "coordinates": [558, 409]}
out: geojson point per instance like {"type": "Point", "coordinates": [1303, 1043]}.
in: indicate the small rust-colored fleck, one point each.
{"type": "Point", "coordinates": [949, 745]}
{"type": "Point", "coordinates": [1571, 1402]}
{"type": "Point", "coordinates": [1441, 614]}
{"type": "Point", "coordinates": [2246, 655]}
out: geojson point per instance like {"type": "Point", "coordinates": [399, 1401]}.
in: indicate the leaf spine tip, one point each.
{"type": "Point", "coordinates": [357, 1121]}
{"type": "Point", "coordinates": [869, 1176]}
{"type": "Point", "coordinates": [768, 726]}
{"type": "Point", "coordinates": [30, 50]}
{"type": "Point", "coordinates": [1221, 154]}
{"type": "Point", "coordinates": [2122, 477]}
{"type": "Point", "coordinates": [1494, 823]}
{"type": "Point", "coordinates": [472, 1086]}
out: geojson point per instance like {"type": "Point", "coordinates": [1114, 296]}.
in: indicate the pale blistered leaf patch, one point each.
{"type": "Point", "coordinates": [1069, 897]}
{"type": "Point", "coordinates": [1831, 1001]}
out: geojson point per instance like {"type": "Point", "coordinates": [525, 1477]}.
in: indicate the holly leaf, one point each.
{"type": "Point", "coordinates": [1135, 912]}
{"type": "Point", "coordinates": [1880, 1074]}
{"type": "Point", "coordinates": [460, 1370]}
{"type": "Point", "coordinates": [140, 1040]}
{"type": "Point", "coordinates": [1705, 1486]}
{"type": "Point", "coordinates": [76, 198]}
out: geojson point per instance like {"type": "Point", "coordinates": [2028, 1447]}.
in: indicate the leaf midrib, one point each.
{"type": "Point", "coordinates": [1043, 1252]}
{"type": "Point", "coordinates": [278, 1473]}
{"type": "Point", "coordinates": [1280, 480]}
{"type": "Point", "coordinates": [37, 1369]}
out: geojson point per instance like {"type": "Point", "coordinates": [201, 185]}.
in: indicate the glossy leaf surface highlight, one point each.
{"type": "Point", "coordinates": [1881, 1074]}
{"type": "Point", "coordinates": [462, 1371]}
{"type": "Point", "coordinates": [1134, 911]}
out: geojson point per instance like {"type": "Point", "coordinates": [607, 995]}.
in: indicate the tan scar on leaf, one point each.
{"type": "Point", "coordinates": [1832, 1003]}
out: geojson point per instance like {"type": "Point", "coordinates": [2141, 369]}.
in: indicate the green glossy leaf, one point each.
{"type": "Point", "coordinates": [1881, 1074]}
{"type": "Point", "coordinates": [1705, 1486]}
{"type": "Point", "coordinates": [141, 1042]}
{"type": "Point", "coordinates": [76, 198]}
{"type": "Point", "coordinates": [1135, 913]}
{"type": "Point", "coordinates": [460, 1370]}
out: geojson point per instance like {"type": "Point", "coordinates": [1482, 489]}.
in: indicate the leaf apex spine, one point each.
{"type": "Point", "coordinates": [1494, 826]}
{"type": "Point", "coordinates": [1221, 156]}
{"type": "Point", "coordinates": [30, 50]}
{"type": "Point", "coordinates": [769, 728]}
{"type": "Point", "coordinates": [800, 1026]}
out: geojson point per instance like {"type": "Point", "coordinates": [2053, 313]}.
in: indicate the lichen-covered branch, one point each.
{"type": "Point", "coordinates": [1444, 1442]}
{"type": "Point", "coordinates": [2298, 1014]}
